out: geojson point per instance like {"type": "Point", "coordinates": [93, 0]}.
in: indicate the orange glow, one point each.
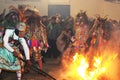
{"type": "Point", "coordinates": [104, 66]}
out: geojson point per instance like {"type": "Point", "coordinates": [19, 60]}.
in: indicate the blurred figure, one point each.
{"type": "Point", "coordinates": [8, 55]}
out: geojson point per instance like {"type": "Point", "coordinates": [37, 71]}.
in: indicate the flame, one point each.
{"type": "Point", "coordinates": [100, 62]}
{"type": "Point", "coordinates": [99, 68]}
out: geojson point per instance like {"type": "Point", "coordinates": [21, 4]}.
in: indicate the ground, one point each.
{"type": "Point", "coordinates": [49, 66]}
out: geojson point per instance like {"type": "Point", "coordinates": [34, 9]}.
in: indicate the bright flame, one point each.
{"type": "Point", "coordinates": [82, 68]}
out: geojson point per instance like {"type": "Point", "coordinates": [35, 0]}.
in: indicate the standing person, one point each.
{"type": "Point", "coordinates": [8, 55]}
{"type": "Point", "coordinates": [63, 41]}
{"type": "Point", "coordinates": [50, 37]}
{"type": "Point", "coordinates": [45, 20]}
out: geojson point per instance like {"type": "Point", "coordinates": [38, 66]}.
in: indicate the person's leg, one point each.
{"type": "Point", "coordinates": [50, 49]}
{"type": "Point", "coordinates": [19, 75]}
{"type": "Point", "coordinates": [0, 74]}
{"type": "Point", "coordinates": [55, 50]}
{"type": "Point", "coordinates": [40, 64]}
{"type": "Point", "coordinates": [0, 71]}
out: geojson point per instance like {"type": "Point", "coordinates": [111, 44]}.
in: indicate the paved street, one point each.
{"type": "Point", "coordinates": [49, 66]}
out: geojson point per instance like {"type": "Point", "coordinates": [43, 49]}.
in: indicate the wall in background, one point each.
{"type": "Point", "coordinates": [41, 5]}
{"type": "Point", "coordinates": [92, 7]}
{"type": "Point", "coordinates": [59, 2]}
{"type": "Point", "coordinates": [112, 10]}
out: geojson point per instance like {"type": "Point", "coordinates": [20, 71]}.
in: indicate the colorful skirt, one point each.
{"type": "Point", "coordinates": [8, 61]}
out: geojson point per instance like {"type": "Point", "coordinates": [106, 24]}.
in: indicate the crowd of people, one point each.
{"type": "Point", "coordinates": [49, 36]}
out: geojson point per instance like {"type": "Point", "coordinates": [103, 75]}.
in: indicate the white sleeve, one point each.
{"type": "Point", "coordinates": [6, 39]}
{"type": "Point", "coordinates": [25, 48]}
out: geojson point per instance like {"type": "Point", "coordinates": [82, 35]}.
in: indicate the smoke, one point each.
{"type": "Point", "coordinates": [109, 54]}
{"type": "Point", "coordinates": [114, 45]}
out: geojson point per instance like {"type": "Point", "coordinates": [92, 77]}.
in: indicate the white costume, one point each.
{"type": "Point", "coordinates": [7, 59]}
{"type": "Point", "coordinates": [11, 33]}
